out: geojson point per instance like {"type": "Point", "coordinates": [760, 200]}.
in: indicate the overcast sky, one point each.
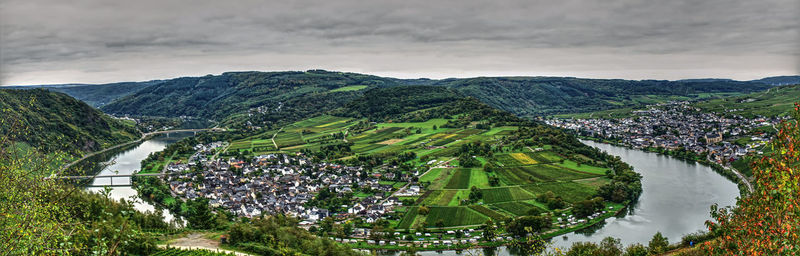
{"type": "Point", "coordinates": [95, 41]}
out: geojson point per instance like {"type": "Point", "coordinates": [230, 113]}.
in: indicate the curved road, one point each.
{"type": "Point", "coordinates": [144, 136]}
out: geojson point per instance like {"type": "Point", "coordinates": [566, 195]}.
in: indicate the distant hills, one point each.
{"type": "Point", "coordinates": [51, 121]}
{"type": "Point", "coordinates": [265, 97]}
{"type": "Point", "coordinates": [95, 95]}
{"type": "Point", "coordinates": [779, 80]}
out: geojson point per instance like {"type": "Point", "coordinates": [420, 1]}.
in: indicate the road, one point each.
{"type": "Point", "coordinates": [441, 165]}
{"type": "Point", "coordinates": [144, 136]}
{"type": "Point", "coordinates": [273, 139]}
{"type": "Point", "coordinates": [741, 177]}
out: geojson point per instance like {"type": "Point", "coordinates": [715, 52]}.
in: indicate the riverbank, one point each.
{"type": "Point", "coordinates": [730, 173]}
{"type": "Point", "coordinates": [612, 210]}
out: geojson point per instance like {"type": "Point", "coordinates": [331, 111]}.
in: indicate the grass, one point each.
{"type": "Point", "coordinates": [584, 168]}
{"type": "Point", "coordinates": [454, 216]}
{"type": "Point", "coordinates": [349, 88]}
{"type": "Point", "coordinates": [432, 175]}
{"type": "Point", "coordinates": [478, 178]}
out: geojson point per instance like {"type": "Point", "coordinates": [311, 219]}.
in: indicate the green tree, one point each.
{"type": "Point", "coordinates": [658, 244]}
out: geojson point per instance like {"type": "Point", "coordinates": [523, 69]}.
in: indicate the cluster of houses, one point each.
{"type": "Point", "coordinates": [676, 125]}
{"type": "Point", "coordinates": [276, 183]}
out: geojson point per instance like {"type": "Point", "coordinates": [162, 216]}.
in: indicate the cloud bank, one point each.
{"type": "Point", "coordinates": [105, 41]}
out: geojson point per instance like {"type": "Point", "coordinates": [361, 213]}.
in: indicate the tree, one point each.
{"type": "Point", "coordinates": [609, 246]}
{"type": "Point", "coordinates": [521, 226]}
{"type": "Point", "coordinates": [423, 210]}
{"type": "Point", "coordinates": [658, 244]}
{"type": "Point", "coordinates": [766, 222]}
{"type": "Point", "coordinates": [198, 214]}
{"type": "Point", "coordinates": [489, 230]}
{"type": "Point", "coordinates": [636, 249]}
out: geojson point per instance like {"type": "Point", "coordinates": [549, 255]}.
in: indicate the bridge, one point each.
{"type": "Point", "coordinates": [110, 178]}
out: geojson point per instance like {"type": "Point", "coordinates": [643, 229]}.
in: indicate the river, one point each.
{"type": "Point", "coordinates": [676, 201]}
{"type": "Point", "coordinates": [129, 161]}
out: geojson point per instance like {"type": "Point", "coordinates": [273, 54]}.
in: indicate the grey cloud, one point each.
{"type": "Point", "coordinates": [46, 35]}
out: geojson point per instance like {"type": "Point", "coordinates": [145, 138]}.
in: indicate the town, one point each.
{"type": "Point", "coordinates": [679, 125]}
{"type": "Point", "coordinates": [282, 183]}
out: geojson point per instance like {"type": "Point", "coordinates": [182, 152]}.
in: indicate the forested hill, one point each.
{"type": "Point", "coordinates": [418, 103]}
{"type": "Point", "coordinates": [532, 96]}
{"type": "Point", "coordinates": [265, 97]}
{"type": "Point", "coordinates": [50, 121]}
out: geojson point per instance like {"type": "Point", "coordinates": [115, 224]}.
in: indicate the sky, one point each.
{"type": "Point", "coordinates": [101, 41]}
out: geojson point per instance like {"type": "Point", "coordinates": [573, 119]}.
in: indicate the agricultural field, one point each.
{"type": "Point", "coordinates": [408, 218]}
{"type": "Point", "coordinates": [571, 191]}
{"type": "Point", "coordinates": [505, 194]}
{"type": "Point", "coordinates": [521, 173]}
{"type": "Point", "coordinates": [349, 88]}
{"type": "Point", "coordinates": [454, 216]}
{"type": "Point", "coordinates": [488, 212]}
{"type": "Point", "coordinates": [516, 207]}
{"type": "Point", "coordinates": [459, 180]}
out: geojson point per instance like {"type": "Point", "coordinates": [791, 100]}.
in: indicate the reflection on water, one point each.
{"type": "Point", "coordinates": [675, 201]}
{"type": "Point", "coordinates": [129, 161]}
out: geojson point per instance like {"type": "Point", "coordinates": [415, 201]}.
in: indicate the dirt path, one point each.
{"type": "Point", "coordinates": [198, 241]}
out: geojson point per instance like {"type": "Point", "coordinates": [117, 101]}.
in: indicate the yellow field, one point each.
{"type": "Point", "coordinates": [390, 142]}
{"type": "Point", "coordinates": [443, 135]}
{"type": "Point", "coordinates": [523, 158]}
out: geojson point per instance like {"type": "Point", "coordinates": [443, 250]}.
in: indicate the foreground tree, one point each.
{"type": "Point", "coordinates": [768, 221]}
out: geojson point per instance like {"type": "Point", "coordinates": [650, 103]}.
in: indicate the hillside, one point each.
{"type": "Point", "coordinates": [264, 97]}
{"type": "Point", "coordinates": [534, 96]}
{"type": "Point", "coordinates": [51, 121]}
{"type": "Point", "coordinates": [777, 101]}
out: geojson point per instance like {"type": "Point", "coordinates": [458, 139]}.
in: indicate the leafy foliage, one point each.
{"type": "Point", "coordinates": [766, 222]}
{"type": "Point", "coordinates": [279, 235]}
{"type": "Point", "coordinates": [56, 122]}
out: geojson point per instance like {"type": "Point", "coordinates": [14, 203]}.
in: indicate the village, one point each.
{"type": "Point", "coordinates": [678, 125]}
{"type": "Point", "coordinates": [281, 184]}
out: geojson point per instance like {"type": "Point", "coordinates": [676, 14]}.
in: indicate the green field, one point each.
{"type": "Point", "coordinates": [454, 216]}
{"type": "Point", "coordinates": [517, 208]}
{"type": "Point", "coordinates": [459, 180]}
{"type": "Point", "coordinates": [349, 88]}
{"type": "Point", "coordinates": [488, 212]}
{"type": "Point", "coordinates": [498, 195]}
{"type": "Point", "coordinates": [408, 218]}
{"type": "Point", "coordinates": [570, 191]}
